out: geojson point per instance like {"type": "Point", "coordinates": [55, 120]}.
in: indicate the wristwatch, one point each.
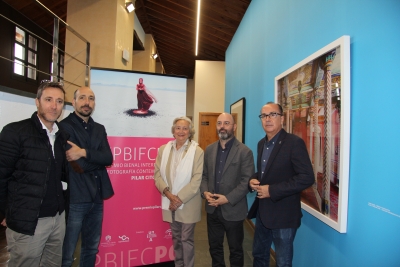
{"type": "Point", "coordinates": [203, 196]}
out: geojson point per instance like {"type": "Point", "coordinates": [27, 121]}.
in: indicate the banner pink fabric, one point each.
{"type": "Point", "coordinates": [133, 231]}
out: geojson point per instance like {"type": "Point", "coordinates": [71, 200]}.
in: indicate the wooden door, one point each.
{"type": "Point", "coordinates": [208, 128]}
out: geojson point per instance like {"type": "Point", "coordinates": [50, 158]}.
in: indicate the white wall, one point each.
{"type": "Point", "coordinates": [209, 92]}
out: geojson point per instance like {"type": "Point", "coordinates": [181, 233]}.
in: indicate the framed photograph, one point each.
{"type": "Point", "coordinates": [238, 110]}
{"type": "Point", "coordinates": [315, 96]}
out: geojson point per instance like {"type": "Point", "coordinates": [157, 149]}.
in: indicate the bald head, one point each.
{"type": "Point", "coordinates": [273, 104]}
{"type": "Point", "coordinates": [226, 117]}
{"type": "Point", "coordinates": [81, 90]}
{"type": "Point", "coordinates": [225, 127]}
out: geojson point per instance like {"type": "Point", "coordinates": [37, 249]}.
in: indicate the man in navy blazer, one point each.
{"type": "Point", "coordinates": [283, 171]}
{"type": "Point", "coordinates": [88, 155]}
{"type": "Point", "coordinates": [228, 165]}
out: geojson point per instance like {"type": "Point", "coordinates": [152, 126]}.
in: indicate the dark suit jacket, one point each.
{"type": "Point", "coordinates": [83, 186]}
{"type": "Point", "coordinates": [288, 172]}
{"type": "Point", "coordinates": [238, 169]}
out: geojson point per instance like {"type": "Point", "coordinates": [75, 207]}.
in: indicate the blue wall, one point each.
{"type": "Point", "coordinates": [273, 36]}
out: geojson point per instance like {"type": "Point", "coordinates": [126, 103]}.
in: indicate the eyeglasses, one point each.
{"type": "Point", "coordinates": [272, 115]}
{"type": "Point", "coordinates": [225, 123]}
{"type": "Point", "coordinates": [52, 82]}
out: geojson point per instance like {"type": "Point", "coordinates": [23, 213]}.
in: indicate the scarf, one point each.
{"type": "Point", "coordinates": [183, 171]}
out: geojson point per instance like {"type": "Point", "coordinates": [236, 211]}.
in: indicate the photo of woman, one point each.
{"type": "Point", "coordinates": [144, 97]}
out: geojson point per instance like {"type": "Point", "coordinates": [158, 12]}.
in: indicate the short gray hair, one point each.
{"type": "Point", "coordinates": [191, 126]}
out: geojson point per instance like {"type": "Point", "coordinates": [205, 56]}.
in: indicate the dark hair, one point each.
{"type": "Point", "coordinates": [46, 84]}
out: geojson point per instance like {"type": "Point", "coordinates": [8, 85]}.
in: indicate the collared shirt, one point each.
{"type": "Point", "coordinates": [86, 125]}
{"type": "Point", "coordinates": [51, 134]}
{"type": "Point", "coordinates": [222, 155]}
{"type": "Point", "coordinates": [267, 150]}
{"type": "Point", "coordinates": [176, 158]}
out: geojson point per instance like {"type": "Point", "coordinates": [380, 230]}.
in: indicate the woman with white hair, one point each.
{"type": "Point", "coordinates": [177, 175]}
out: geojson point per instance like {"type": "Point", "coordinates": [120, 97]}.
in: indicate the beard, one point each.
{"type": "Point", "coordinates": [87, 113]}
{"type": "Point", "coordinates": [225, 135]}
{"type": "Point", "coordinates": [47, 117]}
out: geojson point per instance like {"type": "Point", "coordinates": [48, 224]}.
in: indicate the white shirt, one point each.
{"type": "Point", "coordinates": [51, 134]}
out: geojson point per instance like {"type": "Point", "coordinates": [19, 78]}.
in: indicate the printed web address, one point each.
{"type": "Point", "coordinates": [147, 208]}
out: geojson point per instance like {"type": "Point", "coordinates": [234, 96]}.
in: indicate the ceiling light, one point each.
{"type": "Point", "coordinates": [198, 25]}
{"type": "Point", "coordinates": [154, 56]}
{"type": "Point", "coordinates": [129, 6]}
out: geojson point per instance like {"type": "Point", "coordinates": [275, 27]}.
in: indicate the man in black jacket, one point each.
{"type": "Point", "coordinates": [283, 171]}
{"type": "Point", "coordinates": [89, 154]}
{"type": "Point", "coordinates": [32, 182]}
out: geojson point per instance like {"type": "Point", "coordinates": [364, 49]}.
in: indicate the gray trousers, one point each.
{"type": "Point", "coordinates": [183, 240]}
{"type": "Point", "coordinates": [44, 248]}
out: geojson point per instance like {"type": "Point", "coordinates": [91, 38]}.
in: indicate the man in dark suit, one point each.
{"type": "Point", "coordinates": [283, 171]}
{"type": "Point", "coordinates": [89, 154]}
{"type": "Point", "coordinates": [228, 165]}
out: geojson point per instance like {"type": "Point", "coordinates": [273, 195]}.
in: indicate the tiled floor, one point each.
{"type": "Point", "coordinates": [202, 255]}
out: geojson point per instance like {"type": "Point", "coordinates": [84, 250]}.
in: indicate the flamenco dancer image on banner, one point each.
{"type": "Point", "coordinates": [144, 97]}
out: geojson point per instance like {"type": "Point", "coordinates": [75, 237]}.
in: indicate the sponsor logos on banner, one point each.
{"type": "Point", "coordinates": [123, 238]}
{"type": "Point", "coordinates": [134, 233]}
{"type": "Point", "coordinates": [151, 235]}
{"type": "Point", "coordinates": [107, 242]}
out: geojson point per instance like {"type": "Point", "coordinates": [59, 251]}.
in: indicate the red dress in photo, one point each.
{"type": "Point", "coordinates": [144, 100]}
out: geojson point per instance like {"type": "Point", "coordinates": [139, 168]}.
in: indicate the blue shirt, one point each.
{"type": "Point", "coordinates": [267, 150]}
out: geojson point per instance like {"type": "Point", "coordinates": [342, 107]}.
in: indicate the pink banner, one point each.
{"type": "Point", "coordinates": [133, 231]}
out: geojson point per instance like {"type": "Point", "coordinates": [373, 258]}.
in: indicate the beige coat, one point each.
{"type": "Point", "coordinates": [189, 194]}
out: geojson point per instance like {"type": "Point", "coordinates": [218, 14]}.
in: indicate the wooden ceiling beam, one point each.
{"type": "Point", "coordinates": [167, 49]}
{"type": "Point", "coordinates": [209, 36]}
{"type": "Point", "coordinates": [233, 9]}
{"type": "Point", "coordinates": [218, 30]}
{"type": "Point", "coordinates": [177, 61]}
{"type": "Point", "coordinates": [162, 31]}
{"type": "Point", "coordinates": [210, 52]}
{"type": "Point", "coordinates": [141, 13]}
{"type": "Point", "coordinates": [172, 23]}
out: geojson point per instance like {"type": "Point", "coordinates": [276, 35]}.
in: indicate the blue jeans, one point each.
{"type": "Point", "coordinates": [87, 219]}
{"type": "Point", "coordinates": [283, 241]}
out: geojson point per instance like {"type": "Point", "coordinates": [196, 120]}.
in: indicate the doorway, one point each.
{"type": "Point", "coordinates": [207, 128]}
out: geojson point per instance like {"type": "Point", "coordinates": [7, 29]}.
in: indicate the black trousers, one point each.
{"type": "Point", "coordinates": [217, 226]}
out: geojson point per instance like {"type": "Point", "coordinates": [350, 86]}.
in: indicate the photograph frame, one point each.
{"type": "Point", "coordinates": [301, 90]}
{"type": "Point", "coordinates": [239, 107]}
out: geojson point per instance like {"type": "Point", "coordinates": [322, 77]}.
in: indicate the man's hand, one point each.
{"type": "Point", "coordinates": [208, 196]}
{"type": "Point", "coordinates": [217, 200]}
{"type": "Point", "coordinates": [262, 191]}
{"type": "Point", "coordinates": [3, 222]}
{"type": "Point", "coordinates": [254, 183]}
{"type": "Point", "coordinates": [75, 152]}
